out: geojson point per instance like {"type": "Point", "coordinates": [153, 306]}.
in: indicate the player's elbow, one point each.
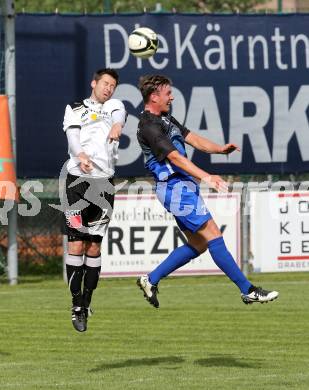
{"type": "Point", "coordinates": [175, 157]}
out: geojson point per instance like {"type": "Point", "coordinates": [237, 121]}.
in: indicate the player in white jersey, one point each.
{"type": "Point", "coordinates": [93, 128]}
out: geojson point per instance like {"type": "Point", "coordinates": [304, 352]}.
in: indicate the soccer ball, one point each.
{"type": "Point", "coordinates": [143, 42]}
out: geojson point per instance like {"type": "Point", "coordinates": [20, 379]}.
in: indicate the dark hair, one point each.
{"type": "Point", "coordinates": [152, 83]}
{"type": "Point", "coordinates": [100, 72]}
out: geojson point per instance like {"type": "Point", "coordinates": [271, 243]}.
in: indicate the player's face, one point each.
{"type": "Point", "coordinates": [164, 98]}
{"type": "Point", "coordinates": [103, 89]}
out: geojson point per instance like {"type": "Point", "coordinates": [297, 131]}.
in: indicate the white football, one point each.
{"type": "Point", "coordinates": [143, 42]}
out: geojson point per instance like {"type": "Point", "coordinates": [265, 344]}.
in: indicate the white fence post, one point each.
{"type": "Point", "coordinates": [10, 90]}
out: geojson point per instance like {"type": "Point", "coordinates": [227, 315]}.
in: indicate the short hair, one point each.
{"type": "Point", "coordinates": [152, 83]}
{"type": "Point", "coordinates": [100, 72]}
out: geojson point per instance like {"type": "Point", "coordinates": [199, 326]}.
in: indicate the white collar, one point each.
{"type": "Point", "coordinates": [90, 102]}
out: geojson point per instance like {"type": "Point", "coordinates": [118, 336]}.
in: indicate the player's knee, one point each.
{"type": "Point", "coordinates": [93, 249]}
{"type": "Point", "coordinates": [76, 248]}
{"type": "Point", "coordinates": [199, 246]}
{"type": "Point", "coordinates": [202, 248]}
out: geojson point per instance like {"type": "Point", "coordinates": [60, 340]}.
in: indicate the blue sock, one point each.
{"type": "Point", "coordinates": [179, 257]}
{"type": "Point", "coordinates": [224, 260]}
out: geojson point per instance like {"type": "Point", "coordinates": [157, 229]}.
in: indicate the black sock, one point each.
{"type": "Point", "coordinates": [87, 295]}
{"type": "Point", "coordinates": [75, 277]}
{"type": "Point", "coordinates": [91, 279]}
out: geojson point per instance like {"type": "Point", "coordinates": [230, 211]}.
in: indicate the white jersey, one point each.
{"type": "Point", "coordinates": [94, 121]}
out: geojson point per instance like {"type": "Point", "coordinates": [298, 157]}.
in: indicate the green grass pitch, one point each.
{"type": "Point", "coordinates": [202, 337]}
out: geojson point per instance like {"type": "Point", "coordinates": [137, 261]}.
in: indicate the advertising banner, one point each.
{"type": "Point", "coordinates": [280, 231]}
{"type": "Point", "coordinates": [237, 78]}
{"type": "Point", "coordinates": [142, 234]}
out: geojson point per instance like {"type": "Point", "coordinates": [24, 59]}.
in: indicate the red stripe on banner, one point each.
{"type": "Point", "coordinates": [227, 196]}
{"type": "Point", "coordinates": [293, 257]}
{"type": "Point", "coordinates": [294, 195]}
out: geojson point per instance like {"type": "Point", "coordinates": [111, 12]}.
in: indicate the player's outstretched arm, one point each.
{"type": "Point", "coordinates": [115, 132]}
{"type": "Point", "coordinates": [205, 145]}
{"type": "Point", "coordinates": [119, 117]}
{"type": "Point", "coordinates": [214, 181]}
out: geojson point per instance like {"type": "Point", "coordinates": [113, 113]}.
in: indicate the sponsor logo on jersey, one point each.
{"type": "Point", "coordinates": [84, 113]}
{"type": "Point", "coordinates": [74, 218]}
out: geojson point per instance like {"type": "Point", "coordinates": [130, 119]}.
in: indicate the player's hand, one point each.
{"type": "Point", "coordinates": [114, 134]}
{"type": "Point", "coordinates": [216, 182]}
{"type": "Point", "coordinates": [229, 148]}
{"type": "Point", "coordinates": [85, 163]}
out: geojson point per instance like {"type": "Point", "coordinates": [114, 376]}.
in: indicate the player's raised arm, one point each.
{"type": "Point", "coordinates": [205, 145]}
{"type": "Point", "coordinates": [214, 181]}
{"type": "Point", "coordinates": [119, 117]}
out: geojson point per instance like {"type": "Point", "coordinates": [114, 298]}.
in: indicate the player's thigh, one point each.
{"type": "Point", "coordinates": [101, 203]}
{"type": "Point", "coordinates": [72, 202]}
{"type": "Point", "coordinates": [197, 242]}
{"type": "Point", "coordinates": [199, 239]}
{"type": "Point", "coordinates": [181, 196]}
{"type": "Point", "coordinates": [209, 231]}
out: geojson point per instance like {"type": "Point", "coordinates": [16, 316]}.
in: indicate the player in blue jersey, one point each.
{"type": "Point", "coordinates": [163, 140]}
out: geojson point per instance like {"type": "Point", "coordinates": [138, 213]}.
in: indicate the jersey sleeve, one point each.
{"type": "Point", "coordinates": [117, 110]}
{"type": "Point", "coordinates": [71, 119]}
{"type": "Point", "coordinates": [112, 105]}
{"type": "Point", "coordinates": [184, 130]}
{"type": "Point", "coordinates": [151, 133]}
{"type": "Point", "coordinates": [73, 136]}
{"type": "Point", "coordinates": [119, 116]}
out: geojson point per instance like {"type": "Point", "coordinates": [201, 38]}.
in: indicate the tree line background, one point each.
{"type": "Point", "coordinates": [115, 6]}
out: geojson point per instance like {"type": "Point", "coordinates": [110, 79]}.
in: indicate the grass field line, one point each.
{"type": "Point", "coordinates": [215, 377]}
{"type": "Point", "coordinates": [130, 347]}
{"type": "Point", "coordinates": [83, 381]}
{"type": "Point", "coordinates": [221, 284]}
{"type": "Point", "coordinates": [166, 286]}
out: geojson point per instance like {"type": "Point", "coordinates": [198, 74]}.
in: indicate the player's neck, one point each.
{"type": "Point", "coordinates": [153, 109]}
{"type": "Point", "coordinates": [93, 100]}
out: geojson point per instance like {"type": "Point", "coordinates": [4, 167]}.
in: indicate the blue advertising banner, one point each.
{"type": "Point", "coordinates": [237, 78]}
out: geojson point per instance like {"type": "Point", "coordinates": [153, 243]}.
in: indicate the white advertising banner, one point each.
{"type": "Point", "coordinates": [280, 231]}
{"type": "Point", "coordinates": [142, 234]}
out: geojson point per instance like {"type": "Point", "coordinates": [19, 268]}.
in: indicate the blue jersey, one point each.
{"type": "Point", "coordinates": [178, 192]}
{"type": "Point", "coordinates": [158, 136]}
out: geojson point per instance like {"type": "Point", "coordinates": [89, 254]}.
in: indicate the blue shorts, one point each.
{"type": "Point", "coordinates": [180, 195]}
